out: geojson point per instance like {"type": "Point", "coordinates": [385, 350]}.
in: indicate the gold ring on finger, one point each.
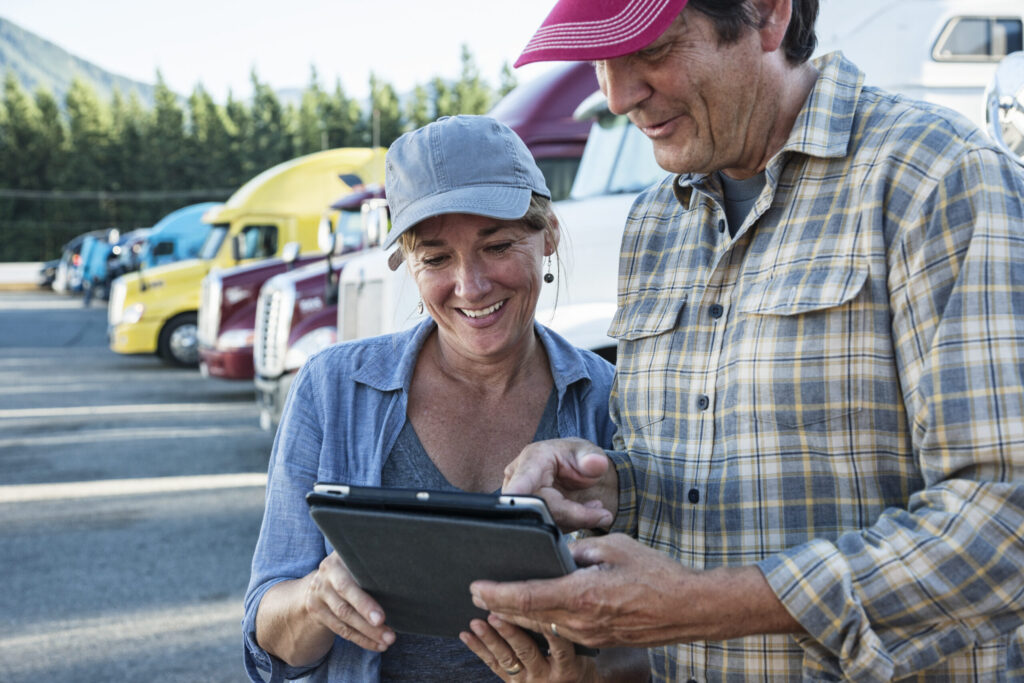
{"type": "Point", "coordinates": [514, 670]}
{"type": "Point", "coordinates": [554, 630]}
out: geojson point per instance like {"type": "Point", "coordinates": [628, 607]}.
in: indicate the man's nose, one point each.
{"type": "Point", "coordinates": [622, 84]}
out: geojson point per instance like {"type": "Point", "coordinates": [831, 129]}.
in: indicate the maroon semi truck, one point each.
{"type": "Point", "coordinates": [290, 325]}
{"type": "Point", "coordinates": [227, 312]}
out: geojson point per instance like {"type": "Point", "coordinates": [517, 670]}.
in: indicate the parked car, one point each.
{"type": "Point", "coordinates": [48, 273]}
{"type": "Point", "coordinates": [68, 277]}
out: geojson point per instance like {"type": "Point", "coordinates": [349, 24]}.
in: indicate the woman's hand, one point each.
{"type": "Point", "coordinates": [512, 654]}
{"type": "Point", "coordinates": [333, 599]}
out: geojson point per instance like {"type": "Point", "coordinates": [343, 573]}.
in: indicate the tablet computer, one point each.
{"type": "Point", "coordinates": [416, 551]}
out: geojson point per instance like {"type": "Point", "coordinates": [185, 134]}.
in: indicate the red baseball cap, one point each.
{"type": "Point", "coordinates": [584, 30]}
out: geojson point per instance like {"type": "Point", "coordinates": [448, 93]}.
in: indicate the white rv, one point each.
{"type": "Point", "coordinates": [941, 51]}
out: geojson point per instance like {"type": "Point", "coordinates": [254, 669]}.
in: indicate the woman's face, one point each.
{"type": "Point", "coordinates": [479, 279]}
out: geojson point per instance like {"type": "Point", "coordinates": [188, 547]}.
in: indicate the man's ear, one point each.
{"type": "Point", "coordinates": [775, 16]}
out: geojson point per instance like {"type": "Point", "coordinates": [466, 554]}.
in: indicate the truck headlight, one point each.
{"type": "Point", "coordinates": [133, 314]}
{"type": "Point", "coordinates": [235, 339]}
{"type": "Point", "coordinates": [309, 344]}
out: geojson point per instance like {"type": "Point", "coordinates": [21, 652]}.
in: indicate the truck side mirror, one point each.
{"type": "Point", "coordinates": [236, 248]}
{"type": "Point", "coordinates": [290, 252]}
{"type": "Point", "coordinates": [375, 220]}
{"type": "Point", "coordinates": [326, 240]}
{"type": "Point", "coordinates": [1004, 106]}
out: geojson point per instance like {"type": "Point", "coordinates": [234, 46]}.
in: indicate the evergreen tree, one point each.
{"type": "Point", "coordinates": [418, 109]}
{"type": "Point", "coordinates": [270, 141]}
{"type": "Point", "coordinates": [472, 95]}
{"type": "Point", "coordinates": [508, 80]}
{"type": "Point", "coordinates": [166, 169]}
{"type": "Point", "coordinates": [343, 117]}
{"type": "Point", "coordinates": [240, 132]}
{"type": "Point", "coordinates": [212, 165]}
{"type": "Point", "coordinates": [385, 116]}
{"type": "Point", "coordinates": [311, 132]}
{"type": "Point", "coordinates": [443, 99]}
{"type": "Point", "coordinates": [19, 138]}
{"type": "Point", "coordinates": [90, 138]}
{"type": "Point", "coordinates": [130, 163]}
{"type": "Point", "coordinates": [54, 137]}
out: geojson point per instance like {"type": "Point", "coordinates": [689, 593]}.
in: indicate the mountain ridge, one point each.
{"type": "Point", "coordinates": [37, 62]}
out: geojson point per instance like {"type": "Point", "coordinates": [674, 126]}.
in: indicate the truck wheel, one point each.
{"type": "Point", "coordinates": [179, 344]}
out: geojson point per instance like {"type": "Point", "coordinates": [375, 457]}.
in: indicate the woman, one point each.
{"type": "Point", "coordinates": [412, 409]}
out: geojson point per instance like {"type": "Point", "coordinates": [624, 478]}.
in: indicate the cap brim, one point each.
{"type": "Point", "coordinates": [502, 202]}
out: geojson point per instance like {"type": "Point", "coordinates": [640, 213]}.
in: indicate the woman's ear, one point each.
{"type": "Point", "coordinates": [551, 236]}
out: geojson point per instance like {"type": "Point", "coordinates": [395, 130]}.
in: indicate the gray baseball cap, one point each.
{"type": "Point", "coordinates": [459, 164]}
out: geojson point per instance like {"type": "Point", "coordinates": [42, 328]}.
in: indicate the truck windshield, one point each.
{"type": "Point", "coordinates": [350, 230]}
{"type": "Point", "coordinates": [618, 158]}
{"type": "Point", "coordinates": [213, 241]}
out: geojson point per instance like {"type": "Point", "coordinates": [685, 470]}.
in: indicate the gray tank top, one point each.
{"type": "Point", "coordinates": [427, 658]}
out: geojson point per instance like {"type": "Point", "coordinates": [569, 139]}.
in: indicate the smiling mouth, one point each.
{"type": "Point", "coordinates": [481, 312]}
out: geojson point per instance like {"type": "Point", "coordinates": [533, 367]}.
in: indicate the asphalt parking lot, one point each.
{"type": "Point", "coordinates": [130, 500]}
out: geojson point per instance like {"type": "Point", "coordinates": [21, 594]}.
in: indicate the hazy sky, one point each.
{"type": "Point", "coordinates": [219, 42]}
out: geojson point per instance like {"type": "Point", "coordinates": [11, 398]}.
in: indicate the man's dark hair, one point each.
{"type": "Point", "coordinates": [732, 17]}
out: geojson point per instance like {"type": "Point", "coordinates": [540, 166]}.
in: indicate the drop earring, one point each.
{"type": "Point", "coordinates": [549, 277]}
{"type": "Point", "coordinates": [419, 307]}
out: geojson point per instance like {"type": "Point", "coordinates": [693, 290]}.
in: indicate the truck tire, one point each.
{"type": "Point", "coordinates": [178, 344]}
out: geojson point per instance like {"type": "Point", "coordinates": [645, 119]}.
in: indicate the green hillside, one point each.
{"type": "Point", "coordinates": [39, 63]}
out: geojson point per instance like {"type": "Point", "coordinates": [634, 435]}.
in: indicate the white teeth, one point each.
{"type": "Point", "coordinates": [483, 311]}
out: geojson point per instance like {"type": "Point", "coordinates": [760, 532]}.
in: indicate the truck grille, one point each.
{"type": "Point", "coordinates": [360, 310]}
{"type": "Point", "coordinates": [209, 310]}
{"type": "Point", "coordinates": [273, 325]}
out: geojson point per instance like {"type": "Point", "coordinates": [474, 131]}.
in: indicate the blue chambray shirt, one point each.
{"type": "Point", "coordinates": [342, 417]}
{"type": "Point", "coordinates": [837, 393]}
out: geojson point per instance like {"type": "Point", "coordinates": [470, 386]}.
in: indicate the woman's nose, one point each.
{"type": "Point", "coordinates": [471, 280]}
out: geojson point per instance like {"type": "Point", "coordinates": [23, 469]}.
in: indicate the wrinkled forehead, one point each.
{"type": "Point", "coordinates": [451, 227]}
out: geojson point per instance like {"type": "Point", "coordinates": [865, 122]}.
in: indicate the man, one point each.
{"type": "Point", "coordinates": [819, 382]}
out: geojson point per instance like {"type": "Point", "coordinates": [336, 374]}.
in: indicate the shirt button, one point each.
{"type": "Point", "coordinates": [716, 310]}
{"type": "Point", "coordinates": [694, 496]}
{"type": "Point", "coordinates": [703, 402]}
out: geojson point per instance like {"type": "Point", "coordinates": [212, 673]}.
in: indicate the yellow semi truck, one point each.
{"type": "Point", "coordinates": [271, 216]}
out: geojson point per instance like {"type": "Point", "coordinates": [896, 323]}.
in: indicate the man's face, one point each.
{"type": "Point", "coordinates": [693, 97]}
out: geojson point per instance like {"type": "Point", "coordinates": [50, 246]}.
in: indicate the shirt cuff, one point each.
{"type": "Point", "coordinates": [256, 658]}
{"type": "Point", "coordinates": [814, 582]}
{"type": "Point", "coordinates": [626, 517]}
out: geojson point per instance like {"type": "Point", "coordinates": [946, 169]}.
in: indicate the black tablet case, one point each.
{"type": "Point", "coordinates": [418, 564]}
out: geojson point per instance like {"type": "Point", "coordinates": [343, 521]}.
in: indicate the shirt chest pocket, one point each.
{"type": "Point", "coordinates": [805, 352]}
{"type": "Point", "coordinates": [648, 352]}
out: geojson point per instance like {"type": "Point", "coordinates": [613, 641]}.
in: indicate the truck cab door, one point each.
{"type": "Point", "coordinates": [255, 242]}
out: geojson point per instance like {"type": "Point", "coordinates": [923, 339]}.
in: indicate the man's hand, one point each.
{"type": "Point", "coordinates": [573, 476]}
{"type": "Point", "coordinates": [629, 594]}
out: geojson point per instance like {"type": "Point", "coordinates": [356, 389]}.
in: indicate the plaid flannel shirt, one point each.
{"type": "Point", "coordinates": [835, 394]}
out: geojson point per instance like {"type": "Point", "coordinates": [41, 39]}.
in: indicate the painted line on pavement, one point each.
{"type": "Point", "coordinates": [76, 490]}
{"type": "Point", "coordinates": [135, 408]}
